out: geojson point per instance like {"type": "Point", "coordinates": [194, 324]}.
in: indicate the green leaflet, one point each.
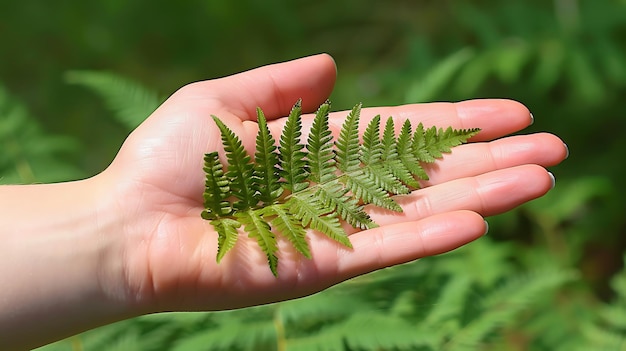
{"type": "Point", "coordinates": [216, 188]}
{"type": "Point", "coordinates": [289, 226]}
{"type": "Point", "coordinates": [257, 227]}
{"type": "Point", "coordinates": [266, 171]}
{"type": "Point", "coordinates": [239, 170]}
{"type": "Point", "coordinates": [291, 187]}
{"type": "Point", "coordinates": [293, 166]}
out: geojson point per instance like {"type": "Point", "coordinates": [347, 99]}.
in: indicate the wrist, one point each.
{"type": "Point", "coordinates": [61, 260]}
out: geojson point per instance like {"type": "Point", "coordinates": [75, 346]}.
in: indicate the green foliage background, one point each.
{"type": "Point", "coordinates": [547, 277]}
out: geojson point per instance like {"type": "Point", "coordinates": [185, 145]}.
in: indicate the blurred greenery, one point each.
{"type": "Point", "coordinates": [564, 59]}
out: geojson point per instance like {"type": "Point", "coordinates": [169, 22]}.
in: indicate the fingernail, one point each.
{"type": "Point", "coordinates": [532, 119]}
{"type": "Point", "coordinates": [566, 150]}
{"type": "Point", "coordinates": [553, 180]}
{"type": "Point", "coordinates": [486, 228]}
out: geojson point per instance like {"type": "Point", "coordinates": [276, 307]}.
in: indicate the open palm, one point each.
{"type": "Point", "coordinates": [169, 250]}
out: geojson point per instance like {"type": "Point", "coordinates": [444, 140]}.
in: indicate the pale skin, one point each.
{"type": "Point", "coordinates": [130, 240]}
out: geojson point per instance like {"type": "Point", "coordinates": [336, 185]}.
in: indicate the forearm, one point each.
{"type": "Point", "coordinates": [56, 263]}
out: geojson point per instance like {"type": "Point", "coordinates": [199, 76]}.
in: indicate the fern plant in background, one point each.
{"type": "Point", "coordinates": [431, 305]}
{"type": "Point", "coordinates": [27, 153]}
{"type": "Point", "coordinates": [563, 59]}
{"type": "Point", "coordinates": [488, 295]}
{"type": "Point", "coordinates": [608, 330]}
{"type": "Point", "coordinates": [293, 186]}
{"type": "Point", "coordinates": [130, 101]}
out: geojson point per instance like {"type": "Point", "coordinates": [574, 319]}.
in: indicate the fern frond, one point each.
{"type": "Point", "coordinates": [310, 211]}
{"type": "Point", "coordinates": [405, 155]}
{"type": "Point", "coordinates": [377, 331]}
{"type": "Point", "coordinates": [240, 168]}
{"type": "Point", "coordinates": [609, 331]}
{"type": "Point", "coordinates": [350, 154]}
{"type": "Point", "coordinates": [449, 138]}
{"type": "Point", "coordinates": [227, 231]}
{"type": "Point", "coordinates": [388, 142]}
{"type": "Point", "coordinates": [216, 188]}
{"type": "Point", "coordinates": [371, 150]}
{"type": "Point", "coordinates": [419, 143]}
{"type": "Point", "coordinates": [333, 195]}
{"type": "Point", "coordinates": [430, 144]}
{"type": "Point", "coordinates": [449, 302]}
{"type": "Point", "coordinates": [365, 188]}
{"type": "Point", "coordinates": [397, 156]}
{"type": "Point", "coordinates": [601, 338]}
{"type": "Point", "coordinates": [225, 334]}
{"type": "Point", "coordinates": [293, 166]}
{"type": "Point", "coordinates": [385, 179]}
{"type": "Point", "coordinates": [259, 229]}
{"type": "Point", "coordinates": [317, 185]}
{"type": "Point", "coordinates": [375, 151]}
{"type": "Point", "coordinates": [130, 101]}
{"type": "Point", "coordinates": [348, 143]}
{"type": "Point", "coordinates": [284, 222]}
{"type": "Point", "coordinates": [391, 163]}
{"type": "Point", "coordinates": [319, 145]}
{"type": "Point", "coordinates": [503, 304]}
{"type": "Point", "coordinates": [266, 172]}
{"type": "Point", "coordinates": [382, 331]}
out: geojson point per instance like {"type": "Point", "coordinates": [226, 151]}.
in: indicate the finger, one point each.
{"type": "Point", "coordinates": [274, 88]}
{"type": "Point", "coordinates": [402, 242]}
{"type": "Point", "coordinates": [476, 158]}
{"type": "Point", "coordinates": [495, 117]}
{"type": "Point", "coordinates": [487, 194]}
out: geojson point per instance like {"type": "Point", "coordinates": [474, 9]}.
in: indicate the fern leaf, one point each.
{"type": "Point", "coordinates": [601, 338]}
{"type": "Point", "coordinates": [316, 185]}
{"type": "Point", "coordinates": [240, 168]}
{"type": "Point", "coordinates": [399, 170]}
{"type": "Point", "coordinates": [308, 209]}
{"type": "Point", "coordinates": [259, 229]}
{"type": "Point", "coordinates": [349, 156]}
{"type": "Point", "coordinates": [348, 143]}
{"type": "Point", "coordinates": [608, 331]}
{"type": "Point", "coordinates": [334, 196]}
{"type": "Point", "coordinates": [293, 165]}
{"type": "Point", "coordinates": [450, 301]}
{"type": "Point", "coordinates": [385, 179]}
{"type": "Point", "coordinates": [388, 142]}
{"type": "Point", "coordinates": [371, 151]}
{"type": "Point", "coordinates": [404, 148]}
{"type": "Point", "coordinates": [227, 231]}
{"type": "Point", "coordinates": [503, 304]}
{"type": "Point", "coordinates": [266, 171]}
{"type": "Point", "coordinates": [430, 144]}
{"type": "Point", "coordinates": [288, 225]}
{"type": "Point", "coordinates": [365, 188]}
{"type": "Point", "coordinates": [330, 226]}
{"type": "Point", "coordinates": [225, 334]}
{"type": "Point", "coordinates": [305, 206]}
{"type": "Point", "coordinates": [375, 151]}
{"type": "Point", "coordinates": [449, 138]}
{"type": "Point", "coordinates": [419, 143]}
{"type": "Point", "coordinates": [322, 167]}
{"type": "Point", "coordinates": [391, 163]}
{"type": "Point", "coordinates": [130, 101]}
{"type": "Point", "coordinates": [383, 331]}
{"type": "Point", "coordinates": [320, 153]}
{"type": "Point", "coordinates": [216, 188]}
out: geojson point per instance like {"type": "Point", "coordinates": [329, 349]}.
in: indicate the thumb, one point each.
{"type": "Point", "coordinates": [273, 88]}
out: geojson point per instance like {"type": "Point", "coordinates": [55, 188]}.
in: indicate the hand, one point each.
{"type": "Point", "coordinates": [169, 251]}
{"type": "Point", "coordinates": [131, 241]}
